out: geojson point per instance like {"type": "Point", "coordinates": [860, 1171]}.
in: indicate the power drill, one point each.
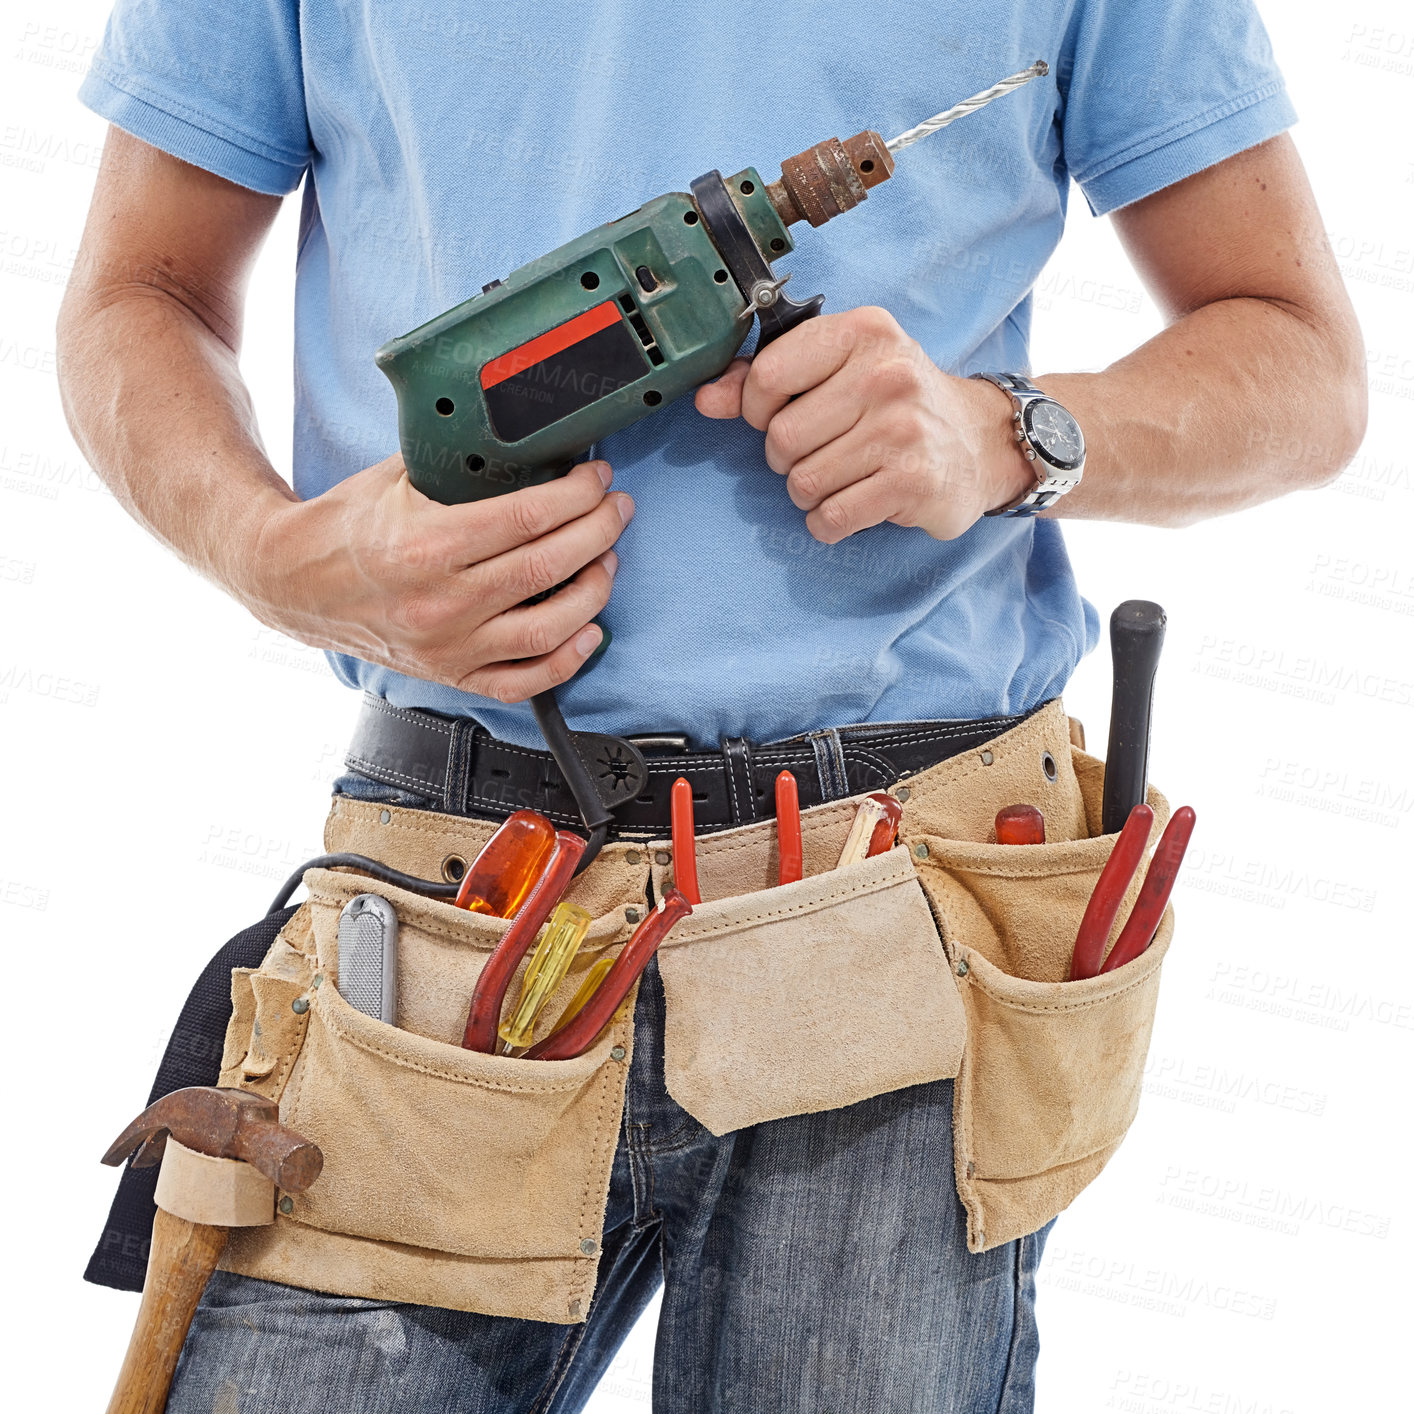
{"type": "Point", "coordinates": [512, 387]}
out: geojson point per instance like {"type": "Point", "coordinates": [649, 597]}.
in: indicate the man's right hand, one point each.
{"type": "Point", "coordinates": [374, 568]}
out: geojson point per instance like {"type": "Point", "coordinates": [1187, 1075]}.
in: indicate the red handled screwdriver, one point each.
{"type": "Point", "coordinates": [684, 842]}
{"type": "Point", "coordinates": [788, 841]}
{"type": "Point", "coordinates": [1109, 891]}
{"type": "Point", "coordinates": [873, 829]}
{"type": "Point", "coordinates": [1138, 932]}
{"type": "Point", "coordinates": [1020, 824]}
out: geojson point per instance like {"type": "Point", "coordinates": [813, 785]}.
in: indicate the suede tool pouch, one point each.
{"type": "Point", "coordinates": [1052, 1069]}
{"type": "Point", "coordinates": [804, 996]}
{"type": "Point", "coordinates": [451, 1177]}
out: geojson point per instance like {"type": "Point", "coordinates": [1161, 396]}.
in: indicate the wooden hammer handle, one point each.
{"type": "Point", "coordinates": [184, 1254]}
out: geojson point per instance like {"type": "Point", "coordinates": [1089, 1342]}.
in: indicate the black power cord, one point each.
{"type": "Point", "coordinates": [434, 888]}
{"type": "Point", "coordinates": [596, 815]}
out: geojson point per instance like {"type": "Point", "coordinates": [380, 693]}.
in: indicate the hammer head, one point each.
{"type": "Point", "coordinates": [224, 1124]}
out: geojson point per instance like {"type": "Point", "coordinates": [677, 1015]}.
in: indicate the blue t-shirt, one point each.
{"type": "Point", "coordinates": [443, 146]}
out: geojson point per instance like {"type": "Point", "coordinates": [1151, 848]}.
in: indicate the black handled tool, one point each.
{"type": "Point", "coordinates": [1136, 640]}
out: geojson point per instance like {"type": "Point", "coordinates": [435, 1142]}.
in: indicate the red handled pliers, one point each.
{"type": "Point", "coordinates": [1088, 959]}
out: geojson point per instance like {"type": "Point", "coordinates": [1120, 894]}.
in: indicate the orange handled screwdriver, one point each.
{"type": "Point", "coordinates": [1109, 890]}
{"type": "Point", "coordinates": [484, 1015]}
{"type": "Point", "coordinates": [788, 841]}
{"type": "Point", "coordinates": [1020, 824]}
{"type": "Point", "coordinates": [684, 844]}
{"type": "Point", "coordinates": [499, 878]}
{"type": "Point", "coordinates": [1138, 932]}
{"type": "Point", "coordinates": [577, 1035]}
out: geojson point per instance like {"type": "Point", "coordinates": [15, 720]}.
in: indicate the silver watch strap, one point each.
{"type": "Point", "coordinates": [1046, 491]}
{"type": "Point", "coordinates": [1010, 382]}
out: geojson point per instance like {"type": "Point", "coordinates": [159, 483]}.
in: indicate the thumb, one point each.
{"type": "Point", "coordinates": [723, 398]}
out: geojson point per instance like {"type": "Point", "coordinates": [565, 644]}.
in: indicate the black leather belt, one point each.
{"type": "Point", "coordinates": [461, 769]}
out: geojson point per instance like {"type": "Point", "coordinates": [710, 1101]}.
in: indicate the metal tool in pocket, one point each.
{"type": "Point", "coordinates": [368, 957]}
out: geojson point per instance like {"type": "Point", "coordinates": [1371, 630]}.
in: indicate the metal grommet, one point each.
{"type": "Point", "coordinates": [962, 967]}
{"type": "Point", "coordinates": [633, 857]}
{"type": "Point", "coordinates": [454, 869]}
{"type": "Point", "coordinates": [662, 857]}
{"type": "Point", "coordinates": [902, 793]}
{"type": "Point", "coordinates": [385, 817]}
{"type": "Point", "coordinates": [300, 1005]}
{"type": "Point", "coordinates": [920, 851]}
{"type": "Point", "coordinates": [618, 1053]}
{"type": "Point", "coordinates": [589, 1247]}
{"type": "Point", "coordinates": [987, 758]}
{"type": "Point", "coordinates": [631, 914]}
{"type": "Point", "coordinates": [287, 1205]}
{"type": "Point", "coordinates": [1048, 765]}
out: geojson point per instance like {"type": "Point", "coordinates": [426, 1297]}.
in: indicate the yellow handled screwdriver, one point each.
{"type": "Point", "coordinates": [551, 960]}
{"type": "Point", "coordinates": [587, 988]}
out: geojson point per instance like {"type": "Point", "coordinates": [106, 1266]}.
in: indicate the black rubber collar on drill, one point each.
{"type": "Point", "coordinates": [747, 266]}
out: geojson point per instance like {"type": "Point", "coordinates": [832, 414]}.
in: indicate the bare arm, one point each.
{"type": "Point", "coordinates": [149, 336]}
{"type": "Point", "coordinates": [1257, 387]}
{"type": "Point", "coordinates": [1262, 356]}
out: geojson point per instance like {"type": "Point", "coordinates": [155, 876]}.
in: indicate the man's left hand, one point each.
{"type": "Point", "coordinates": [866, 428]}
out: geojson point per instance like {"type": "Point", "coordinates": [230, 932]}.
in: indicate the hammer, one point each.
{"type": "Point", "coordinates": [223, 1154]}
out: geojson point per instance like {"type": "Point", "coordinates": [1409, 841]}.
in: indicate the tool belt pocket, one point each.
{"type": "Point", "coordinates": [451, 1177]}
{"type": "Point", "coordinates": [804, 996]}
{"type": "Point", "coordinates": [1052, 1070]}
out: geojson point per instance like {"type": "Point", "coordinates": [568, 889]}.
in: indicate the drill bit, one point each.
{"type": "Point", "coordinates": [968, 105]}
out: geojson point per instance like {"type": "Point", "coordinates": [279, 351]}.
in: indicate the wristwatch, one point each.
{"type": "Point", "coordinates": [1049, 438]}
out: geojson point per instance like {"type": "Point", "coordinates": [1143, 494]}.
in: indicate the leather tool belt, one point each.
{"type": "Point", "coordinates": [460, 1179]}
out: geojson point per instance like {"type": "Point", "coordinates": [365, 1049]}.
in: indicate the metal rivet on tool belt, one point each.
{"type": "Point", "coordinates": [589, 1247]}
{"type": "Point", "coordinates": [633, 857]}
{"type": "Point", "coordinates": [920, 851]}
{"type": "Point", "coordinates": [300, 1005]}
{"type": "Point", "coordinates": [971, 1168]}
{"type": "Point", "coordinates": [986, 758]}
{"type": "Point", "coordinates": [662, 857]}
{"type": "Point", "coordinates": [631, 914]}
{"type": "Point", "coordinates": [287, 1205]}
{"type": "Point", "coordinates": [962, 968]}
{"type": "Point", "coordinates": [1048, 765]}
{"type": "Point", "coordinates": [384, 816]}
{"type": "Point", "coordinates": [902, 793]}
{"type": "Point", "coordinates": [618, 1053]}
{"type": "Point", "coordinates": [318, 978]}
{"type": "Point", "coordinates": [574, 1308]}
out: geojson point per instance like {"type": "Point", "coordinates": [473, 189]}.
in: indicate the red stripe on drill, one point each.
{"type": "Point", "coordinates": [541, 347]}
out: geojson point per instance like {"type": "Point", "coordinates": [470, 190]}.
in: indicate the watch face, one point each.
{"type": "Point", "coordinates": [1055, 433]}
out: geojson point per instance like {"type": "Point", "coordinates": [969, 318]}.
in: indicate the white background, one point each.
{"type": "Point", "coordinates": [167, 762]}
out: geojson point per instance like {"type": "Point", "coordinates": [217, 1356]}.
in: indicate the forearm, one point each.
{"type": "Point", "coordinates": [156, 402]}
{"type": "Point", "coordinates": [1236, 403]}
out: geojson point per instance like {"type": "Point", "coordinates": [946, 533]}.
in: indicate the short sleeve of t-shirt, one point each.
{"type": "Point", "coordinates": [1156, 90]}
{"type": "Point", "coordinates": [213, 82]}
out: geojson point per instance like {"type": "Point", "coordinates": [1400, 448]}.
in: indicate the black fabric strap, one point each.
{"type": "Point", "coordinates": [461, 769]}
{"type": "Point", "coordinates": [193, 1057]}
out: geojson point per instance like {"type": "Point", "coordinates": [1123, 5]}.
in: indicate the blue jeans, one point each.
{"type": "Point", "coordinates": [812, 1265]}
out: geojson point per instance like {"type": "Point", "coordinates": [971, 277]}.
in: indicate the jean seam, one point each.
{"type": "Point", "coordinates": [574, 1338]}
{"type": "Point", "coordinates": [1018, 1281]}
